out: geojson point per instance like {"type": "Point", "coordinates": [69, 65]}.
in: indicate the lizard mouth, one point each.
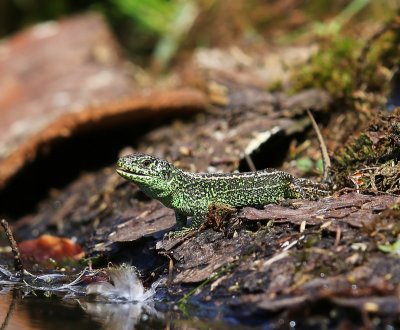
{"type": "Point", "coordinates": [126, 173]}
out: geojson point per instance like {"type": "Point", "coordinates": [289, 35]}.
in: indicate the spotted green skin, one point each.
{"type": "Point", "coordinates": [191, 194]}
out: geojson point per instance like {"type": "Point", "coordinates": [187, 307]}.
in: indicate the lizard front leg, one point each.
{"type": "Point", "coordinates": [181, 220]}
{"type": "Point", "coordinates": [197, 221]}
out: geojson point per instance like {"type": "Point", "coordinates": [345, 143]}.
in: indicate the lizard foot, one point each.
{"type": "Point", "coordinates": [181, 232]}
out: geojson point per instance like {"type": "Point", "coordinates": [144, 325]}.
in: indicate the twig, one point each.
{"type": "Point", "coordinates": [276, 257]}
{"type": "Point", "coordinates": [338, 236]}
{"type": "Point", "coordinates": [19, 268]}
{"type": "Point", "coordinates": [170, 270]}
{"type": "Point", "coordinates": [324, 151]}
{"type": "Point", "coordinates": [250, 163]}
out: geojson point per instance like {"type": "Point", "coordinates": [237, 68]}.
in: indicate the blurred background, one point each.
{"type": "Point", "coordinates": [158, 32]}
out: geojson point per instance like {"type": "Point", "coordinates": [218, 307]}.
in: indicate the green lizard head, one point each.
{"type": "Point", "coordinates": [153, 175]}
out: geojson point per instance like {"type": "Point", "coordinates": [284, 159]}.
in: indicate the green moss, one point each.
{"type": "Point", "coordinates": [356, 152]}
{"type": "Point", "coordinates": [372, 159]}
{"type": "Point", "coordinates": [331, 68]}
{"type": "Point", "coordinates": [391, 248]}
{"type": "Point", "coordinates": [346, 64]}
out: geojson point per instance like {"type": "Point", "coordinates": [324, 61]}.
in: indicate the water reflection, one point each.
{"type": "Point", "coordinates": [111, 298]}
{"type": "Point", "coordinates": [122, 316]}
{"type": "Point", "coordinates": [35, 312]}
{"type": "Point", "coordinates": [42, 313]}
{"type": "Point", "coordinates": [122, 302]}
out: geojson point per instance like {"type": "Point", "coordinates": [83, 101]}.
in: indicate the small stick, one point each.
{"type": "Point", "coordinates": [324, 151]}
{"type": "Point", "coordinates": [250, 163]}
{"type": "Point", "coordinates": [338, 235]}
{"type": "Point", "coordinates": [170, 271]}
{"type": "Point", "coordinates": [14, 248]}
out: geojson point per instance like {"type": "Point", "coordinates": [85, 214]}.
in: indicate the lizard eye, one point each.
{"type": "Point", "coordinates": [146, 163]}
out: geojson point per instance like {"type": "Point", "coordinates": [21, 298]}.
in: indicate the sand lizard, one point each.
{"type": "Point", "coordinates": [191, 194]}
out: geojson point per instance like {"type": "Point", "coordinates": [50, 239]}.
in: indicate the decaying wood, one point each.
{"type": "Point", "coordinates": [90, 91]}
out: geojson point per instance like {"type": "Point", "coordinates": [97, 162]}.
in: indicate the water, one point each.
{"type": "Point", "coordinates": [86, 301]}
{"type": "Point", "coordinates": [35, 312]}
{"type": "Point", "coordinates": [39, 312]}
{"type": "Point", "coordinates": [112, 298]}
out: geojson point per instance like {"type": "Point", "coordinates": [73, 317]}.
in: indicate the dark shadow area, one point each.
{"type": "Point", "coordinates": [64, 162]}
{"type": "Point", "coordinates": [45, 313]}
{"type": "Point", "coordinates": [142, 255]}
{"type": "Point", "coordinates": [321, 314]}
{"type": "Point", "coordinates": [272, 153]}
{"type": "Point", "coordinates": [14, 14]}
